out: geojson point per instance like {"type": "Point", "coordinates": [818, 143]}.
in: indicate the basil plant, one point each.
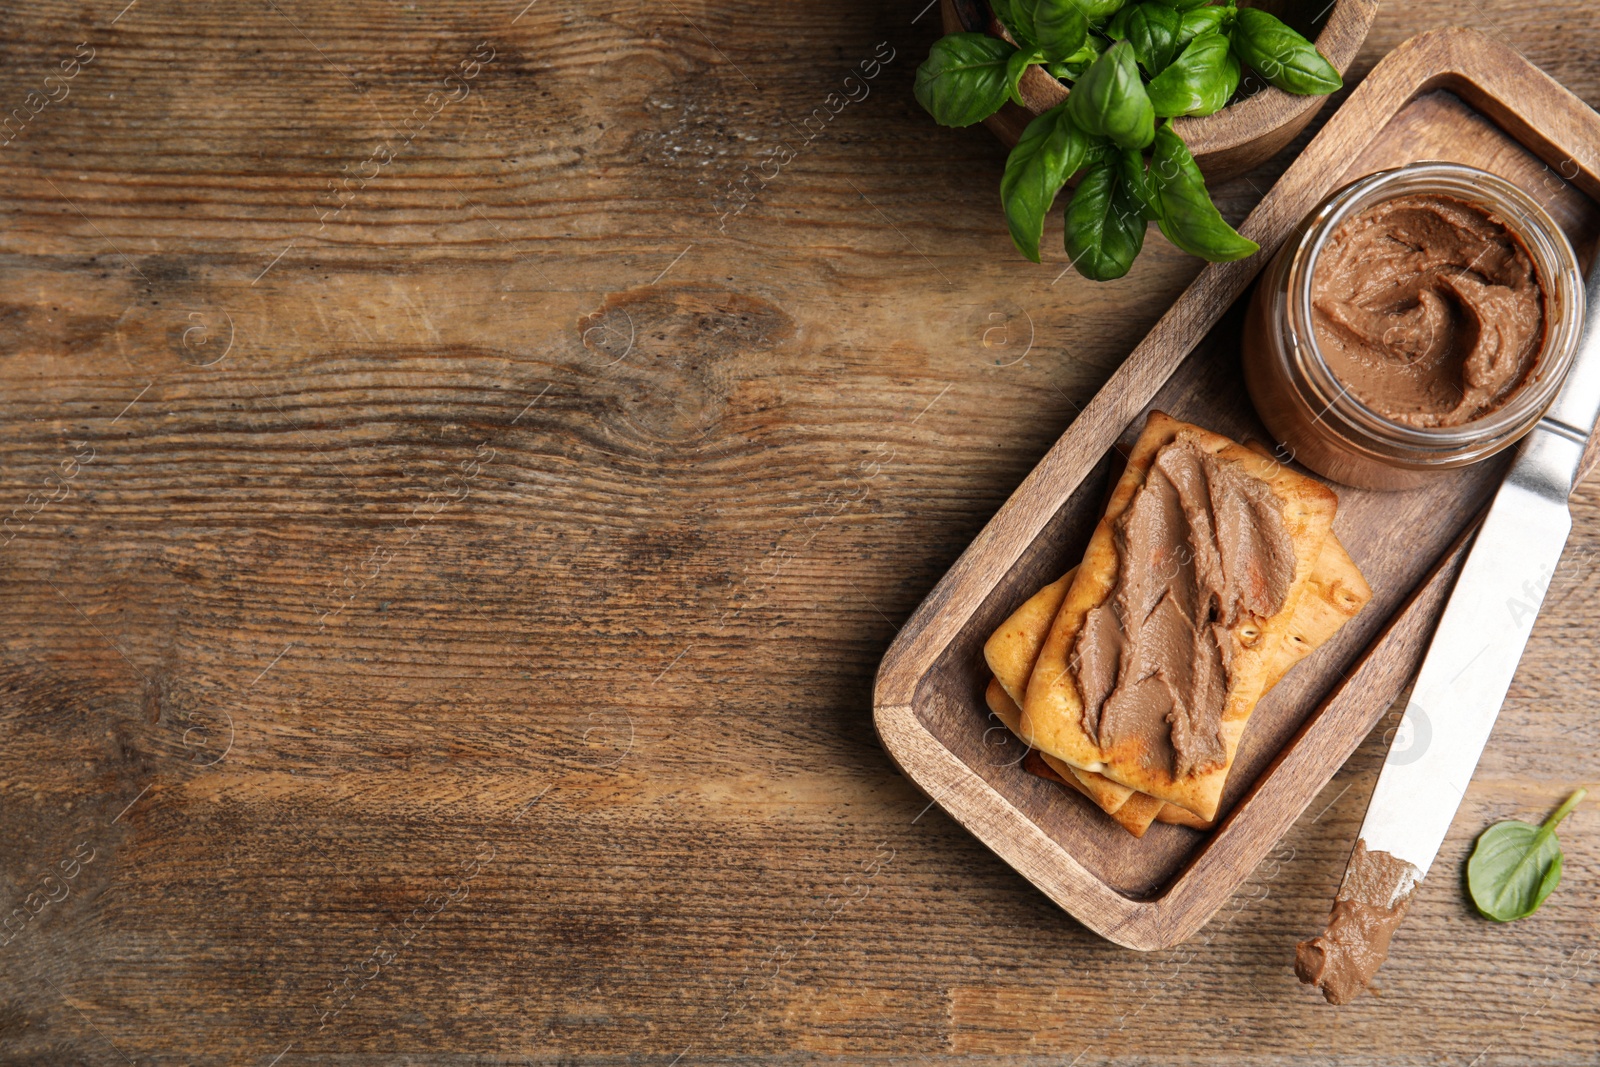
{"type": "Point", "coordinates": [1131, 67]}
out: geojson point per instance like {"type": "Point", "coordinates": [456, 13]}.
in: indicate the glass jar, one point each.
{"type": "Point", "coordinates": [1323, 425]}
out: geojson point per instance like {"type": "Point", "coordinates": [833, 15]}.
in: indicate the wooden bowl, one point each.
{"type": "Point", "coordinates": [1242, 135]}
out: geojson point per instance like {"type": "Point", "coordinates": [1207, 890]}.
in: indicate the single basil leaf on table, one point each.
{"type": "Point", "coordinates": [1060, 27]}
{"type": "Point", "coordinates": [1105, 228]}
{"type": "Point", "coordinates": [1188, 217]}
{"type": "Point", "coordinates": [1200, 21]}
{"type": "Point", "coordinates": [1198, 82]}
{"type": "Point", "coordinates": [1050, 152]}
{"type": "Point", "coordinates": [1152, 29]}
{"type": "Point", "coordinates": [963, 80]}
{"type": "Point", "coordinates": [1109, 99]}
{"type": "Point", "coordinates": [1515, 866]}
{"type": "Point", "coordinates": [1137, 181]}
{"type": "Point", "coordinates": [1281, 55]}
{"type": "Point", "coordinates": [1016, 67]}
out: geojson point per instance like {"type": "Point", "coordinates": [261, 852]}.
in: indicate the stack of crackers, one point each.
{"type": "Point", "coordinates": [1034, 691]}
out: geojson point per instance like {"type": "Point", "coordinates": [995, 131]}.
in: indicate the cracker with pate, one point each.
{"type": "Point", "coordinates": [1135, 681]}
{"type": "Point", "coordinates": [1336, 592]}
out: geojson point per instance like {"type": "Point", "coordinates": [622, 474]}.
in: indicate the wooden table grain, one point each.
{"type": "Point", "coordinates": [464, 463]}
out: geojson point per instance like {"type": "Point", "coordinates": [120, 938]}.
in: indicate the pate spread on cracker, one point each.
{"type": "Point", "coordinates": [1335, 593]}
{"type": "Point", "coordinates": [1174, 624]}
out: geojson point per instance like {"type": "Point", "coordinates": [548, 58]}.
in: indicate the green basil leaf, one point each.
{"type": "Point", "coordinates": [1105, 229]}
{"type": "Point", "coordinates": [1072, 68]}
{"type": "Point", "coordinates": [1227, 87]}
{"type": "Point", "coordinates": [1016, 67]}
{"type": "Point", "coordinates": [1200, 21]}
{"type": "Point", "coordinates": [1017, 16]}
{"type": "Point", "coordinates": [1050, 152]}
{"type": "Point", "coordinates": [1188, 217]}
{"type": "Point", "coordinates": [1100, 150]}
{"type": "Point", "coordinates": [963, 80]}
{"type": "Point", "coordinates": [1110, 101]}
{"type": "Point", "coordinates": [1515, 866]}
{"type": "Point", "coordinates": [1097, 11]}
{"type": "Point", "coordinates": [1183, 5]}
{"type": "Point", "coordinates": [1061, 25]}
{"type": "Point", "coordinates": [1136, 179]}
{"type": "Point", "coordinates": [1152, 29]}
{"type": "Point", "coordinates": [1117, 27]}
{"type": "Point", "coordinates": [1198, 82]}
{"type": "Point", "coordinates": [1281, 55]}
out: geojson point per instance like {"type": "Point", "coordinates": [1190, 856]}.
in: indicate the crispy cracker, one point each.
{"type": "Point", "coordinates": [1137, 813]}
{"type": "Point", "coordinates": [1336, 592]}
{"type": "Point", "coordinates": [1005, 709]}
{"type": "Point", "coordinates": [1052, 709]}
{"type": "Point", "coordinates": [1035, 765]}
{"type": "Point", "coordinates": [1134, 812]}
{"type": "Point", "coordinates": [1011, 651]}
{"type": "Point", "coordinates": [1014, 646]}
{"type": "Point", "coordinates": [1176, 816]}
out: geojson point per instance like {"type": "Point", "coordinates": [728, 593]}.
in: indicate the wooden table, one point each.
{"type": "Point", "coordinates": [464, 481]}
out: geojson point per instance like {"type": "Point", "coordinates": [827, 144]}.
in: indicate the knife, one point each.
{"type": "Point", "coordinates": [1463, 681]}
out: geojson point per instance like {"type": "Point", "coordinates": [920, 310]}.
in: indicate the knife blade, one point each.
{"type": "Point", "coordinates": [1473, 656]}
{"type": "Point", "coordinates": [1463, 682]}
{"type": "Point", "coordinates": [1486, 623]}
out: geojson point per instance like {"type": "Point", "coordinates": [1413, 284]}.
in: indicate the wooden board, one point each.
{"type": "Point", "coordinates": [1450, 95]}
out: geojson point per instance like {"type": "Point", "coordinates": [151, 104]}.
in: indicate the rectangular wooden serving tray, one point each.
{"type": "Point", "coordinates": [1449, 94]}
